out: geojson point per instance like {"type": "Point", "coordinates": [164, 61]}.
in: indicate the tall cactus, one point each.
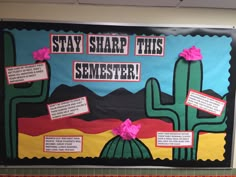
{"type": "Point", "coordinates": [187, 75]}
{"type": "Point", "coordinates": [34, 93]}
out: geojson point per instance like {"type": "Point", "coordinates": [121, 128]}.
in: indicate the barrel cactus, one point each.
{"type": "Point", "coordinates": [119, 148]}
{"type": "Point", "coordinates": [125, 145]}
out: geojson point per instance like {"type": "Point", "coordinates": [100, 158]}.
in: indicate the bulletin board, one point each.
{"type": "Point", "coordinates": [113, 95]}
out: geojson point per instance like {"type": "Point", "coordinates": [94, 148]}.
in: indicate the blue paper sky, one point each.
{"type": "Point", "coordinates": [215, 51]}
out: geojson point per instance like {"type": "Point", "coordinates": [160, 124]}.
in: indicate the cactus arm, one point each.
{"type": "Point", "coordinates": [153, 91]}
{"type": "Point", "coordinates": [26, 99]}
{"type": "Point", "coordinates": [217, 125]}
{"type": "Point", "coordinates": [198, 121]}
{"type": "Point", "coordinates": [153, 106]}
{"type": "Point", "coordinates": [217, 128]}
{"type": "Point", "coordinates": [211, 120]}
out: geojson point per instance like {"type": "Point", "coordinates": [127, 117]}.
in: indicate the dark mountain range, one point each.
{"type": "Point", "coordinates": [120, 103]}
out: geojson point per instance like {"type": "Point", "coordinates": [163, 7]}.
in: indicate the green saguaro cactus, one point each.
{"type": "Point", "coordinates": [34, 93]}
{"type": "Point", "coordinates": [187, 75]}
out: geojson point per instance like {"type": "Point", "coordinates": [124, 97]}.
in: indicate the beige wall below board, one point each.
{"type": "Point", "coordinates": [191, 17]}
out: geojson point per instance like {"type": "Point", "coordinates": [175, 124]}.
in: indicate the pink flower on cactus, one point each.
{"type": "Point", "coordinates": [42, 54]}
{"type": "Point", "coordinates": [191, 54]}
{"type": "Point", "coordinates": [126, 130]}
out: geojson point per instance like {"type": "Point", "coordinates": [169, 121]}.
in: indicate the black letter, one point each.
{"type": "Point", "coordinates": [123, 44]}
{"type": "Point", "coordinates": [139, 43]}
{"type": "Point", "coordinates": [85, 71]}
{"type": "Point", "coordinates": [116, 68]}
{"type": "Point", "coordinates": [107, 47]}
{"type": "Point", "coordinates": [123, 69]}
{"type": "Point", "coordinates": [62, 39]}
{"type": "Point", "coordinates": [103, 73]}
{"type": "Point", "coordinates": [77, 41]}
{"type": "Point", "coordinates": [99, 44]}
{"type": "Point", "coordinates": [131, 74]}
{"type": "Point", "coordinates": [92, 45]}
{"type": "Point", "coordinates": [78, 71]}
{"type": "Point", "coordinates": [70, 45]}
{"type": "Point", "coordinates": [147, 49]}
{"type": "Point", "coordinates": [115, 48]}
{"type": "Point", "coordinates": [55, 44]}
{"type": "Point", "coordinates": [159, 46]}
{"type": "Point", "coordinates": [109, 70]}
{"type": "Point", "coordinates": [93, 71]}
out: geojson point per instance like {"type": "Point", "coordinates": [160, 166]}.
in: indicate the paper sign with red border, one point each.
{"type": "Point", "coordinates": [68, 108]}
{"type": "Point", "coordinates": [69, 44]}
{"type": "Point", "coordinates": [106, 71]}
{"type": "Point", "coordinates": [151, 46]}
{"type": "Point", "coordinates": [26, 73]}
{"type": "Point", "coordinates": [206, 103]}
{"type": "Point", "coordinates": [176, 139]}
{"type": "Point", "coordinates": [109, 46]}
{"type": "Point", "coordinates": [62, 143]}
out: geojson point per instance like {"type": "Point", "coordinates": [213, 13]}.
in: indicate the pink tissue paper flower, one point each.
{"type": "Point", "coordinates": [42, 54]}
{"type": "Point", "coordinates": [126, 130]}
{"type": "Point", "coordinates": [191, 54]}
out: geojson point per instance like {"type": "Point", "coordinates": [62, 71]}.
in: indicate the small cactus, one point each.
{"type": "Point", "coordinates": [125, 144]}
{"type": "Point", "coordinates": [119, 148]}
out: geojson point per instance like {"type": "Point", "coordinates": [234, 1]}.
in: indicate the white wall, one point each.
{"type": "Point", "coordinates": [120, 14]}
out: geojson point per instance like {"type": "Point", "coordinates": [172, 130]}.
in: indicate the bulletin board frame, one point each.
{"type": "Point", "coordinates": [125, 29]}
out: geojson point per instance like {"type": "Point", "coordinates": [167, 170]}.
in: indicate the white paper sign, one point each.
{"type": "Point", "coordinates": [66, 43]}
{"type": "Point", "coordinates": [68, 108]}
{"type": "Point", "coordinates": [174, 139]}
{"type": "Point", "coordinates": [106, 71]}
{"type": "Point", "coordinates": [100, 44]}
{"type": "Point", "coordinates": [26, 73]}
{"type": "Point", "coordinates": [149, 46]}
{"type": "Point", "coordinates": [205, 102]}
{"type": "Point", "coordinates": [63, 143]}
